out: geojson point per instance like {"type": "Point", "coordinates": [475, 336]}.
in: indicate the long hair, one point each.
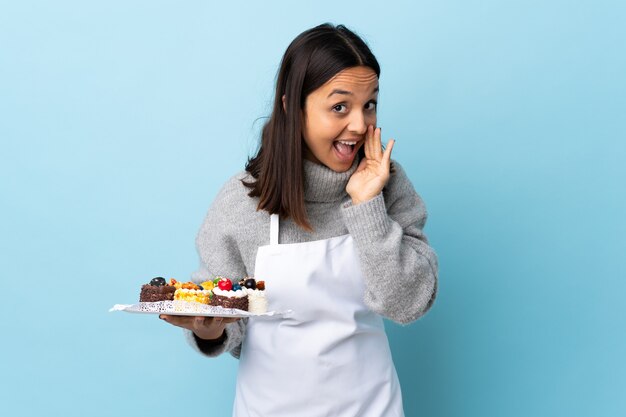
{"type": "Point", "coordinates": [312, 58]}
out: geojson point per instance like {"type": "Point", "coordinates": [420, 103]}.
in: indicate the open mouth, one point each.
{"type": "Point", "coordinates": [345, 149]}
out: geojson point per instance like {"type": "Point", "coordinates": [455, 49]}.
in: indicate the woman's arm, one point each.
{"type": "Point", "coordinates": [219, 255]}
{"type": "Point", "coordinates": [399, 266]}
{"type": "Point", "coordinates": [232, 337]}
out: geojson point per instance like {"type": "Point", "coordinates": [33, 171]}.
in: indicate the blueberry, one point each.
{"type": "Point", "coordinates": [250, 283]}
{"type": "Point", "coordinates": [236, 287]}
{"type": "Point", "coordinates": [200, 287]}
{"type": "Point", "coordinates": [157, 282]}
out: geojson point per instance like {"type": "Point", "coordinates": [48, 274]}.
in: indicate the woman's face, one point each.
{"type": "Point", "coordinates": [336, 117]}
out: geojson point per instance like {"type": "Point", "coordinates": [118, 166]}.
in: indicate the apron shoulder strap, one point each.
{"type": "Point", "coordinates": [274, 229]}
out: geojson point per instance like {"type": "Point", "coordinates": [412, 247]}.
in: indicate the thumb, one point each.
{"type": "Point", "coordinates": [362, 164]}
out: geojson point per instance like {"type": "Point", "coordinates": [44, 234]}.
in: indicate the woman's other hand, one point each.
{"type": "Point", "coordinates": [207, 328]}
{"type": "Point", "coordinates": [373, 171]}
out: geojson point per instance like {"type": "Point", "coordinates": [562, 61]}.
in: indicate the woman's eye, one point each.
{"type": "Point", "coordinates": [339, 107]}
{"type": "Point", "coordinates": [371, 105]}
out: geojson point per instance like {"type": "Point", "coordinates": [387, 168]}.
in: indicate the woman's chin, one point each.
{"type": "Point", "coordinates": [339, 166]}
{"type": "Point", "coordinates": [334, 161]}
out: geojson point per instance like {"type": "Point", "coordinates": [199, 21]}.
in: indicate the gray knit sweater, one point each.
{"type": "Point", "coordinates": [399, 266]}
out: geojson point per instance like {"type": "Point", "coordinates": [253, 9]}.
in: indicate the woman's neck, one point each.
{"type": "Point", "coordinates": [322, 184]}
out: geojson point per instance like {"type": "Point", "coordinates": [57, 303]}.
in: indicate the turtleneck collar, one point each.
{"type": "Point", "coordinates": [322, 184]}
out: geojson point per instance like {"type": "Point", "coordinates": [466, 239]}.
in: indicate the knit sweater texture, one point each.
{"type": "Point", "coordinates": [399, 267]}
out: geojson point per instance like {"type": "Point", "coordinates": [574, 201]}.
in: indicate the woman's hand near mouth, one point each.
{"type": "Point", "coordinates": [373, 171]}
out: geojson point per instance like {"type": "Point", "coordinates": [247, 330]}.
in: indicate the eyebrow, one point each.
{"type": "Point", "coordinates": [346, 93]}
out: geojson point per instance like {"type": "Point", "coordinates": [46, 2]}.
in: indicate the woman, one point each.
{"type": "Point", "coordinates": [334, 227]}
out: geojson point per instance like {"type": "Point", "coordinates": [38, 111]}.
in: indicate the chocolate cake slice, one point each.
{"type": "Point", "coordinates": [240, 303]}
{"type": "Point", "coordinates": [156, 290]}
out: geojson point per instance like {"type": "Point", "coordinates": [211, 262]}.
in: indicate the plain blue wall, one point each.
{"type": "Point", "coordinates": [119, 121]}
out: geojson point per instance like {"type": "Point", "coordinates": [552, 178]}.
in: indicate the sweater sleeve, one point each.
{"type": "Point", "coordinates": [219, 255]}
{"type": "Point", "coordinates": [399, 266]}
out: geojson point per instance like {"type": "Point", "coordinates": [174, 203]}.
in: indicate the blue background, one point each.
{"type": "Point", "coordinates": [119, 121]}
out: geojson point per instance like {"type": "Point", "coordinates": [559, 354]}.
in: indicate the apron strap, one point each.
{"type": "Point", "coordinates": [274, 229]}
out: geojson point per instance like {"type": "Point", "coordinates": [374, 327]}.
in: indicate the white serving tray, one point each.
{"type": "Point", "coordinates": [187, 308]}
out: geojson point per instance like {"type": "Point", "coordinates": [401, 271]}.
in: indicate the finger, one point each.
{"type": "Point", "coordinates": [185, 322]}
{"type": "Point", "coordinates": [217, 321]}
{"type": "Point", "coordinates": [195, 322]}
{"type": "Point", "coordinates": [362, 164]}
{"type": "Point", "coordinates": [230, 320]}
{"type": "Point", "coordinates": [377, 144]}
{"type": "Point", "coordinates": [369, 137]}
{"type": "Point", "coordinates": [200, 322]}
{"type": "Point", "coordinates": [374, 145]}
{"type": "Point", "coordinates": [386, 159]}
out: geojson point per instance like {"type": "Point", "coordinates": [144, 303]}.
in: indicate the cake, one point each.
{"type": "Point", "coordinates": [190, 291]}
{"type": "Point", "coordinates": [246, 295]}
{"type": "Point", "coordinates": [198, 296]}
{"type": "Point", "coordinates": [227, 295]}
{"type": "Point", "coordinates": [156, 290]}
{"type": "Point", "coordinates": [255, 290]}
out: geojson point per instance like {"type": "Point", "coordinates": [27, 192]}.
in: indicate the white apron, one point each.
{"type": "Point", "coordinates": [330, 357]}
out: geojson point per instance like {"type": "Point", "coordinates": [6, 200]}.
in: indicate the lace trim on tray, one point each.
{"type": "Point", "coordinates": [186, 307]}
{"type": "Point", "coordinates": [180, 306]}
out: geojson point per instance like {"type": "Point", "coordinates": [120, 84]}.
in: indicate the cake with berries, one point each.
{"type": "Point", "coordinates": [227, 295]}
{"type": "Point", "coordinates": [156, 290]}
{"type": "Point", "coordinates": [247, 294]}
{"type": "Point", "coordinates": [257, 303]}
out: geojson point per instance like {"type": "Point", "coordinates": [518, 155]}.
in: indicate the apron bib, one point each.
{"type": "Point", "coordinates": [330, 357]}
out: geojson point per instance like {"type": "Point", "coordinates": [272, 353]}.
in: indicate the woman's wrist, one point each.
{"type": "Point", "coordinates": [209, 338]}
{"type": "Point", "coordinates": [356, 199]}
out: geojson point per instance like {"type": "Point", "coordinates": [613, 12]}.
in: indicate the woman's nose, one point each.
{"type": "Point", "coordinates": [357, 123]}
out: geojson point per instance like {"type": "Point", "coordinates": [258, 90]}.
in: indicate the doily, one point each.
{"type": "Point", "coordinates": [187, 308]}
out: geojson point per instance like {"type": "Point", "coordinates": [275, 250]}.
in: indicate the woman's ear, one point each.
{"type": "Point", "coordinates": [284, 103]}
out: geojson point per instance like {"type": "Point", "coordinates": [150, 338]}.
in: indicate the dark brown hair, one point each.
{"type": "Point", "coordinates": [312, 58]}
